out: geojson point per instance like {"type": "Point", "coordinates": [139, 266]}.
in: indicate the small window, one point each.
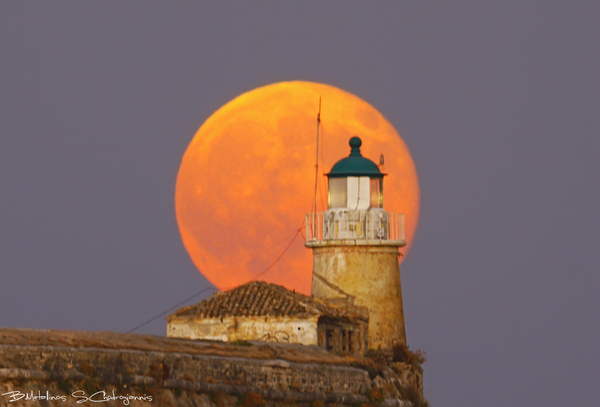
{"type": "Point", "coordinates": [350, 344]}
{"type": "Point", "coordinates": [328, 339]}
{"type": "Point", "coordinates": [338, 194]}
{"type": "Point", "coordinates": [376, 192]}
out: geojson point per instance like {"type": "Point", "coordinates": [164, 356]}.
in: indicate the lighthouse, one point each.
{"type": "Point", "coordinates": [355, 247]}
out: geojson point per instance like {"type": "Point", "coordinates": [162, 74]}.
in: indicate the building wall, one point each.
{"type": "Point", "coordinates": [371, 276]}
{"type": "Point", "coordinates": [229, 329]}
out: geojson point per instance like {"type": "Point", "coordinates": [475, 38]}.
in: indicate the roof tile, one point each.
{"type": "Point", "coordinates": [259, 298]}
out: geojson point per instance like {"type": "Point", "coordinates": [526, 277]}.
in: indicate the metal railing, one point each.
{"type": "Point", "coordinates": [343, 224]}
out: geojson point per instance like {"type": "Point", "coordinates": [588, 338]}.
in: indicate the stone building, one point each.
{"type": "Point", "coordinates": [260, 311]}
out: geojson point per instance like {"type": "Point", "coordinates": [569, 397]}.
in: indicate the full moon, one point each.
{"type": "Point", "coordinates": [247, 179]}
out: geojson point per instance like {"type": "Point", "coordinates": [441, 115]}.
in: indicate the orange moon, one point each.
{"type": "Point", "coordinates": [247, 179]}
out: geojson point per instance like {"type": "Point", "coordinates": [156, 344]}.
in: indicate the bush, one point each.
{"type": "Point", "coordinates": [401, 353]}
{"type": "Point", "coordinates": [381, 357]}
{"type": "Point", "coordinates": [376, 395]}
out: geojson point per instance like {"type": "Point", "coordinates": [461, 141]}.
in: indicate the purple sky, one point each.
{"type": "Point", "coordinates": [499, 104]}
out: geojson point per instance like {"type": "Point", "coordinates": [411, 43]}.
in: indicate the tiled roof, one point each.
{"type": "Point", "coordinates": [264, 299]}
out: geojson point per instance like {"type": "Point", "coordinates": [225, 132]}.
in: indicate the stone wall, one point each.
{"type": "Point", "coordinates": [369, 274]}
{"type": "Point", "coordinates": [37, 375]}
{"type": "Point", "coordinates": [250, 328]}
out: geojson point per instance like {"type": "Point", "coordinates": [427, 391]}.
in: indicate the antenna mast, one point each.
{"type": "Point", "coordinates": [317, 169]}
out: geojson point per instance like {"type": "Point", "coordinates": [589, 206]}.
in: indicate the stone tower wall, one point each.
{"type": "Point", "coordinates": [368, 274]}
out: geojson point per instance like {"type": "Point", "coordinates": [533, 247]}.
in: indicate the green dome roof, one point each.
{"type": "Point", "coordinates": [355, 165]}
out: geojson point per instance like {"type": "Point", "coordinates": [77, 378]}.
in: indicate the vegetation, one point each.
{"type": "Point", "coordinates": [375, 395]}
{"type": "Point", "coordinates": [399, 358]}
{"type": "Point", "coordinates": [401, 353]}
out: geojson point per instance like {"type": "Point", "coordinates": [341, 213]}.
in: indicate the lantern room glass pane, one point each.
{"type": "Point", "coordinates": [337, 192]}
{"type": "Point", "coordinates": [376, 193]}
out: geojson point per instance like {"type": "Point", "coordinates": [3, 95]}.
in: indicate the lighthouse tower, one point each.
{"type": "Point", "coordinates": [355, 247]}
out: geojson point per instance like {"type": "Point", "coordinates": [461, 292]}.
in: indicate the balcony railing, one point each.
{"type": "Point", "coordinates": [343, 224]}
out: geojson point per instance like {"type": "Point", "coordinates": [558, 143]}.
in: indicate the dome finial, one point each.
{"type": "Point", "coordinates": [355, 144]}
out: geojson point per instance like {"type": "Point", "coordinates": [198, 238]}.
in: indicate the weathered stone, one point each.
{"type": "Point", "coordinates": [171, 378]}
{"type": "Point", "coordinates": [369, 275]}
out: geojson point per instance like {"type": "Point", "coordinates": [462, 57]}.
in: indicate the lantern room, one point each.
{"type": "Point", "coordinates": [355, 182]}
{"type": "Point", "coordinates": [355, 210]}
